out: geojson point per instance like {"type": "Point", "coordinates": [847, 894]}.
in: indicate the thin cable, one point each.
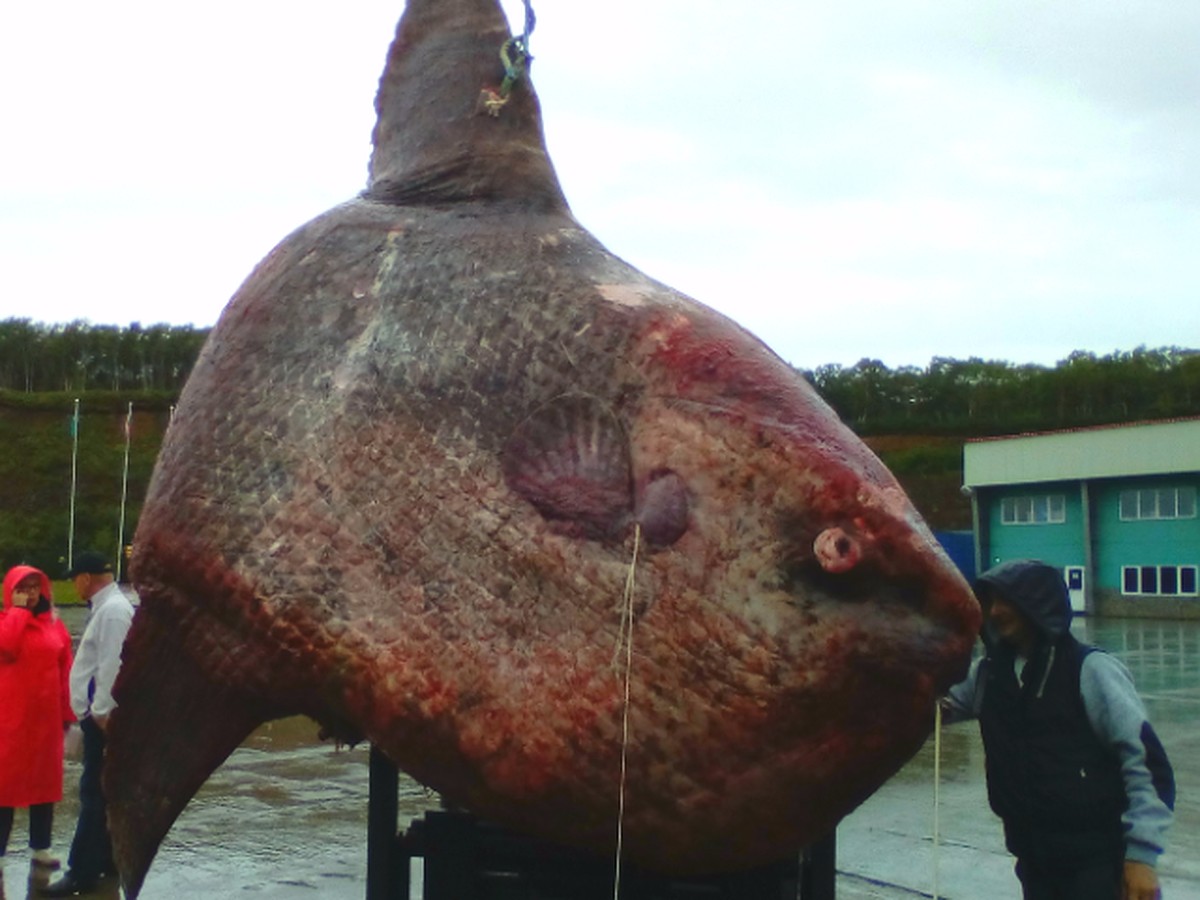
{"type": "Point", "coordinates": [515, 57]}
{"type": "Point", "coordinates": [625, 639]}
{"type": "Point", "coordinates": [937, 783]}
{"type": "Point", "coordinates": [530, 24]}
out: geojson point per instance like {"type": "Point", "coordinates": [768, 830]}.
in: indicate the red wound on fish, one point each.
{"type": "Point", "coordinates": [663, 508]}
{"type": "Point", "coordinates": [570, 459]}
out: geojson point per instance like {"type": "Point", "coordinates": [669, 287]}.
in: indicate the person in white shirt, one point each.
{"type": "Point", "coordinates": [93, 672]}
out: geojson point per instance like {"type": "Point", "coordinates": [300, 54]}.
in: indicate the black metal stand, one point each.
{"type": "Point", "coordinates": [387, 870]}
{"type": "Point", "coordinates": [818, 869]}
{"type": "Point", "coordinates": [468, 859]}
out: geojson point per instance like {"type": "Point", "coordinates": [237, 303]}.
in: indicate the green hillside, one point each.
{"type": "Point", "coordinates": [36, 472]}
{"type": "Point", "coordinates": [915, 419]}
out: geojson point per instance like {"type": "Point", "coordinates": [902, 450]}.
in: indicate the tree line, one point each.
{"type": "Point", "coordinates": [80, 356]}
{"type": "Point", "coordinates": [977, 396]}
{"type": "Point", "coordinates": [915, 417]}
{"type": "Point", "coordinates": [948, 396]}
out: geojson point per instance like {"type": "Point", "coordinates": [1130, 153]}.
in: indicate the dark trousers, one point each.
{"type": "Point", "coordinates": [91, 848]}
{"type": "Point", "coordinates": [41, 823]}
{"type": "Point", "coordinates": [1101, 880]}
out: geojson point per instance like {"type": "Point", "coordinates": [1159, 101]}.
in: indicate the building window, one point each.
{"type": "Point", "coordinates": [1161, 581]}
{"type": "Point", "coordinates": [1045, 509]}
{"type": "Point", "coordinates": [1159, 503]}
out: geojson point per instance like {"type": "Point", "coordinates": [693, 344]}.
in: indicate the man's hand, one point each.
{"type": "Point", "coordinates": [1141, 882]}
{"type": "Point", "coordinates": [102, 724]}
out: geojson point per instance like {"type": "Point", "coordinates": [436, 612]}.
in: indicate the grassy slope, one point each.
{"type": "Point", "coordinates": [930, 470]}
{"type": "Point", "coordinates": [35, 474]}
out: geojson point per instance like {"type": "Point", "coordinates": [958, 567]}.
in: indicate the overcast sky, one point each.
{"type": "Point", "coordinates": [868, 178]}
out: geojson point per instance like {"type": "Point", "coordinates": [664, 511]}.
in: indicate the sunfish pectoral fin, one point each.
{"type": "Point", "coordinates": [570, 459]}
{"type": "Point", "coordinates": [172, 728]}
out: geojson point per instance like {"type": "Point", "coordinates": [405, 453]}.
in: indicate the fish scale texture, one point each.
{"type": "Point", "coordinates": [364, 523]}
{"type": "Point", "coordinates": [362, 560]}
{"type": "Point", "coordinates": [402, 494]}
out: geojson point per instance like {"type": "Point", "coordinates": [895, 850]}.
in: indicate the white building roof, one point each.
{"type": "Point", "coordinates": [1121, 451]}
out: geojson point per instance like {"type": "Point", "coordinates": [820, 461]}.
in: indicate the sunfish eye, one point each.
{"type": "Point", "coordinates": [836, 550]}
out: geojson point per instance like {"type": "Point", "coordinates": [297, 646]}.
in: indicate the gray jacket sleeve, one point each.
{"type": "Point", "coordinates": [1118, 718]}
{"type": "Point", "coordinates": [965, 699]}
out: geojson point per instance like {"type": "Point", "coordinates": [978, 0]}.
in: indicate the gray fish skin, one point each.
{"type": "Point", "coordinates": [410, 474]}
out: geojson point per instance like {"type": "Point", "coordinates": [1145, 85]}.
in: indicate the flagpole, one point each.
{"type": "Point", "coordinates": [74, 480]}
{"type": "Point", "coordinates": [124, 494]}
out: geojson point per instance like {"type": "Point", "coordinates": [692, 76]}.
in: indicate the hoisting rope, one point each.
{"type": "Point", "coordinates": [514, 56]}
{"type": "Point", "coordinates": [937, 786]}
{"type": "Point", "coordinates": [625, 643]}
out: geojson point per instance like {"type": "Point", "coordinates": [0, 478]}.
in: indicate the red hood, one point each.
{"type": "Point", "coordinates": [17, 574]}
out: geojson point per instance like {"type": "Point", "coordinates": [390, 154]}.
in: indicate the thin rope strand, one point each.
{"type": "Point", "coordinates": [937, 786]}
{"type": "Point", "coordinates": [625, 628]}
{"type": "Point", "coordinates": [626, 637]}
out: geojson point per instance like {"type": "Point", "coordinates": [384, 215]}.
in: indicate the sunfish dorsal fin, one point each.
{"type": "Point", "coordinates": [433, 142]}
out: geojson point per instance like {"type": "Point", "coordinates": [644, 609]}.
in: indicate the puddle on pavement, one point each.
{"type": "Point", "coordinates": [285, 817]}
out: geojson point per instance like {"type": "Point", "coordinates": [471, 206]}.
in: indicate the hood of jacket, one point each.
{"type": "Point", "coordinates": [1036, 589]}
{"type": "Point", "coordinates": [18, 574]}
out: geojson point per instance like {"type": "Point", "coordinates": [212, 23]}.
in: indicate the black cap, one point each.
{"type": "Point", "coordinates": [89, 562]}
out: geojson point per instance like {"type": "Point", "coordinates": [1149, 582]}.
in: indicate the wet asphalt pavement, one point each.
{"type": "Point", "coordinates": [285, 818]}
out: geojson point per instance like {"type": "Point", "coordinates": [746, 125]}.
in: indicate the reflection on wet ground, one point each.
{"type": "Point", "coordinates": [285, 817]}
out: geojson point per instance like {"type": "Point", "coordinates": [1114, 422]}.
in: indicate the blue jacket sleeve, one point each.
{"type": "Point", "coordinates": [1118, 718]}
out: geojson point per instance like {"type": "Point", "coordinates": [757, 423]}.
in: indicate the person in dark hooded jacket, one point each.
{"type": "Point", "coordinates": [1074, 769]}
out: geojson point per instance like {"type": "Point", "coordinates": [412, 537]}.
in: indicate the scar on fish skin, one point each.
{"type": "Point", "coordinates": [570, 459]}
{"type": "Point", "coordinates": [663, 508]}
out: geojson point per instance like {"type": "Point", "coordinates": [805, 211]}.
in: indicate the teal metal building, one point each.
{"type": "Point", "coordinates": [1114, 507]}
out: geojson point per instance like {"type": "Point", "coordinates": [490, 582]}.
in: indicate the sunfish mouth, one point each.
{"type": "Point", "coordinates": [882, 575]}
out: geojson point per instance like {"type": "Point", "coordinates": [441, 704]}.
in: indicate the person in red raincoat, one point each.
{"type": "Point", "coordinates": [35, 707]}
